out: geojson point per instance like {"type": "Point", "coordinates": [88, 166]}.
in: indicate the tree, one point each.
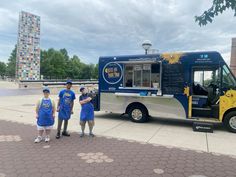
{"type": "Point", "coordinates": [218, 6]}
{"type": "Point", "coordinates": [65, 54]}
{"type": "Point", "coordinates": [11, 65]}
{"type": "Point", "coordinates": [53, 64]}
{"type": "Point", "coordinates": [88, 71]}
{"type": "Point", "coordinates": [3, 68]}
{"type": "Point", "coordinates": [45, 66]}
{"type": "Point", "coordinates": [56, 64]}
{"type": "Point", "coordinates": [74, 66]}
{"type": "Point", "coordinates": [95, 72]}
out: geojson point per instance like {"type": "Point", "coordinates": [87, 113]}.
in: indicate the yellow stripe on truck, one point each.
{"type": "Point", "coordinates": [189, 106]}
{"type": "Point", "coordinates": [227, 101]}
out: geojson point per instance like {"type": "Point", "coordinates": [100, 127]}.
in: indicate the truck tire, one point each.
{"type": "Point", "coordinates": [138, 113]}
{"type": "Point", "coordinates": [230, 121]}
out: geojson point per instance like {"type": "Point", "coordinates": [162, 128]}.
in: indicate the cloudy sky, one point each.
{"type": "Point", "coordinates": [93, 28]}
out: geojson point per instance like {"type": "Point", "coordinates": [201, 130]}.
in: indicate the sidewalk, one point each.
{"type": "Point", "coordinates": [8, 85]}
{"type": "Point", "coordinates": [101, 156]}
{"type": "Point", "coordinates": [21, 109]}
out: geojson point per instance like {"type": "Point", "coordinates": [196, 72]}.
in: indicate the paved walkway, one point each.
{"type": "Point", "coordinates": [17, 92]}
{"type": "Point", "coordinates": [121, 148]}
{"type": "Point", "coordinates": [8, 85]}
{"type": "Point", "coordinates": [101, 156]}
{"type": "Point", "coordinates": [22, 109]}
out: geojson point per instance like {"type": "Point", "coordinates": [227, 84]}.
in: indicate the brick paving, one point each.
{"type": "Point", "coordinates": [101, 157]}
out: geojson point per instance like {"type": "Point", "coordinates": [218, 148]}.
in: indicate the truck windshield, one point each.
{"type": "Point", "coordinates": [228, 80]}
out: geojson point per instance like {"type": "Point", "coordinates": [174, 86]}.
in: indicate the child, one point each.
{"type": "Point", "coordinates": [45, 114]}
{"type": "Point", "coordinates": [87, 112]}
{"type": "Point", "coordinates": [65, 108]}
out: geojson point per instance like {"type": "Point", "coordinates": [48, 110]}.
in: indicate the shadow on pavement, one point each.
{"type": "Point", "coordinates": [156, 120]}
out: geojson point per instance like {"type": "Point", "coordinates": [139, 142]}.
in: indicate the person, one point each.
{"type": "Point", "coordinates": [65, 108]}
{"type": "Point", "coordinates": [45, 115]}
{"type": "Point", "coordinates": [87, 112]}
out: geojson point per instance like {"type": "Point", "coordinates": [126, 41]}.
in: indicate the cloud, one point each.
{"type": "Point", "coordinates": [90, 29]}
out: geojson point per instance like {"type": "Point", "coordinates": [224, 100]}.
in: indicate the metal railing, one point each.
{"type": "Point", "coordinates": [74, 83]}
{"type": "Point", "coordinates": [61, 82]}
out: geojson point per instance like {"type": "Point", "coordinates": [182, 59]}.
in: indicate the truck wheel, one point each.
{"type": "Point", "coordinates": [138, 114]}
{"type": "Point", "coordinates": [230, 121]}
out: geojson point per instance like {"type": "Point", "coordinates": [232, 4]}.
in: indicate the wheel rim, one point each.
{"type": "Point", "coordinates": [232, 122]}
{"type": "Point", "coordinates": [137, 114]}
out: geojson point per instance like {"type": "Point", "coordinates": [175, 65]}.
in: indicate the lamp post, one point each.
{"type": "Point", "coordinates": [146, 45]}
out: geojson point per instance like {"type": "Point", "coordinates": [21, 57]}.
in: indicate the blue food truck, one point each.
{"type": "Point", "coordinates": [196, 86]}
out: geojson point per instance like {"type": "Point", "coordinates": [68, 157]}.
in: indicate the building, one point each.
{"type": "Point", "coordinates": [233, 56]}
{"type": "Point", "coordinates": [28, 47]}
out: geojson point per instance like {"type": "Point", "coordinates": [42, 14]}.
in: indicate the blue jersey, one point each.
{"type": "Point", "coordinates": [87, 109]}
{"type": "Point", "coordinates": [45, 113]}
{"type": "Point", "coordinates": [66, 98]}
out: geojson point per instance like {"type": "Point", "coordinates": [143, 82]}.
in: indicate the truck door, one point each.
{"type": "Point", "coordinates": [205, 92]}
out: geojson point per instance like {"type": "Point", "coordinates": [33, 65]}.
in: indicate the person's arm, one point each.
{"type": "Point", "coordinates": [59, 101]}
{"type": "Point", "coordinates": [72, 103]}
{"type": "Point", "coordinates": [85, 100]}
{"type": "Point", "coordinates": [37, 109]}
{"type": "Point", "coordinates": [58, 104]}
{"type": "Point", "coordinates": [53, 109]}
{"type": "Point", "coordinates": [72, 106]}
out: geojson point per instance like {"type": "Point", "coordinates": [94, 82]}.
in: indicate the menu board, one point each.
{"type": "Point", "coordinates": [172, 78]}
{"type": "Point", "coordinates": [146, 67]}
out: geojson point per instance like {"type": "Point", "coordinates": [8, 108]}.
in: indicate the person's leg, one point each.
{"type": "Point", "coordinates": [47, 132]}
{"type": "Point", "coordinates": [40, 134]}
{"type": "Point", "coordinates": [59, 125]}
{"type": "Point", "coordinates": [65, 126]}
{"type": "Point", "coordinates": [91, 125]}
{"type": "Point", "coordinates": [82, 124]}
{"type": "Point", "coordinates": [59, 128]}
{"type": "Point", "coordinates": [65, 133]}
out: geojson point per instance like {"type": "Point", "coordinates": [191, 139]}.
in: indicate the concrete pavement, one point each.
{"type": "Point", "coordinates": [21, 109]}
{"type": "Point", "coordinates": [121, 148]}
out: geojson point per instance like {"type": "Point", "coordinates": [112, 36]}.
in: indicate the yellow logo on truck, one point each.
{"type": "Point", "coordinates": [172, 58]}
{"type": "Point", "coordinates": [227, 101]}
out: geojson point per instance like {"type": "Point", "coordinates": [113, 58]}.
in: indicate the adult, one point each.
{"type": "Point", "coordinates": [87, 112]}
{"type": "Point", "coordinates": [65, 108]}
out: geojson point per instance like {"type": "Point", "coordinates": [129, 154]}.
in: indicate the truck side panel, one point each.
{"type": "Point", "coordinates": [158, 106]}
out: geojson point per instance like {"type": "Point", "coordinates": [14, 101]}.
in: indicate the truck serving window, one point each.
{"type": "Point", "coordinates": [142, 75]}
{"type": "Point", "coordinates": [128, 76]}
{"type": "Point", "coordinates": [137, 76]}
{"type": "Point", "coordinates": [146, 75]}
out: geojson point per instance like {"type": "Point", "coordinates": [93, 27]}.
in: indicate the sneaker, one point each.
{"type": "Point", "coordinates": [47, 139]}
{"type": "Point", "coordinates": [38, 139]}
{"type": "Point", "coordinates": [58, 135]}
{"type": "Point", "coordinates": [91, 134]}
{"type": "Point", "coordinates": [65, 134]}
{"type": "Point", "coordinates": [81, 135]}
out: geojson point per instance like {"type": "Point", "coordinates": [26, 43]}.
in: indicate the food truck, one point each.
{"type": "Point", "coordinates": [196, 86]}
